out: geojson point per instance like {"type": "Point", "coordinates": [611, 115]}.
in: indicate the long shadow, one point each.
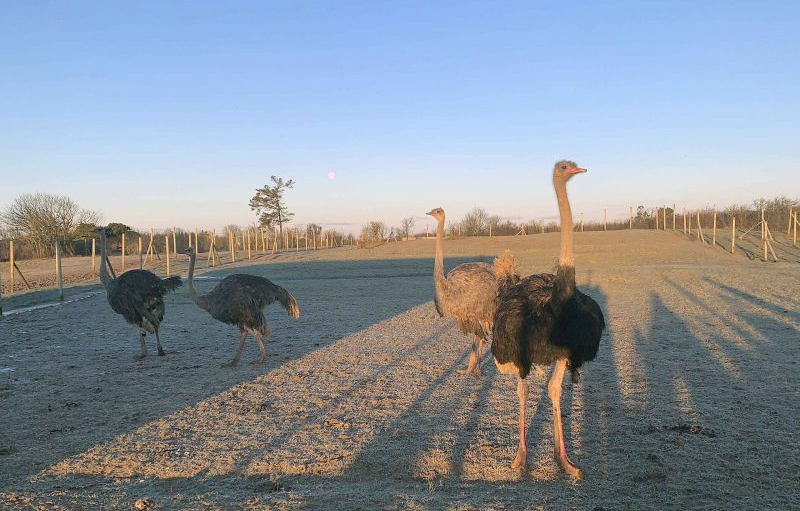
{"type": "Point", "coordinates": [754, 300]}
{"type": "Point", "coordinates": [703, 416]}
{"type": "Point", "coordinates": [75, 363]}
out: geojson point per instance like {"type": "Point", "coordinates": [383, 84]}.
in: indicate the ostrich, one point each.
{"type": "Point", "coordinates": [238, 300]}
{"type": "Point", "coordinates": [468, 294]}
{"type": "Point", "coordinates": [545, 320]}
{"type": "Point", "coordinates": [137, 295]}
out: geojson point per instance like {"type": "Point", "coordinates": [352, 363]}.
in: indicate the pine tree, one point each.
{"type": "Point", "coordinates": [268, 203]}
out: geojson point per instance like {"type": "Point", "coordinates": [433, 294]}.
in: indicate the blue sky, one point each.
{"type": "Point", "coordinates": [172, 113]}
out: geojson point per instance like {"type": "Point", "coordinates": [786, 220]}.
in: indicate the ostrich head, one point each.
{"type": "Point", "coordinates": [565, 169]}
{"type": "Point", "coordinates": [437, 213]}
{"type": "Point", "coordinates": [101, 230]}
{"type": "Point", "coordinates": [189, 251]}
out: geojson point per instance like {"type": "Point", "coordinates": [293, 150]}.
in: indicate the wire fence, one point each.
{"type": "Point", "coordinates": [766, 235]}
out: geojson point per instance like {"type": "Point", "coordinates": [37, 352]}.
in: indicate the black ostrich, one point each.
{"type": "Point", "coordinates": [239, 300]}
{"type": "Point", "coordinates": [545, 320]}
{"type": "Point", "coordinates": [137, 295]}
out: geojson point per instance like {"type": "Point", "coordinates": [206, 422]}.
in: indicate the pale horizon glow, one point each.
{"type": "Point", "coordinates": [161, 114]}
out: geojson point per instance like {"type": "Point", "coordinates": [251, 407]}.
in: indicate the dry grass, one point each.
{"type": "Point", "coordinates": [359, 406]}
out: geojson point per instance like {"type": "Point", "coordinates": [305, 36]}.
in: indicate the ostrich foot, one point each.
{"type": "Point", "coordinates": [161, 352]}
{"type": "Point", "coordinates": [258, 361]}
{"type": "Point", "coordinates": [232, 363]}
{"type": "Point", "coordinates": [140, 356]}
{"type": "Point", "coordinates": [520, 463]}
{"type": "Point", "coordinates": [568, 467]}
{"type": "Point", "coordinates": [474, 371]}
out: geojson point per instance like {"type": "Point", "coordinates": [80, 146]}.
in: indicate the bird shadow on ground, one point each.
{"type": "Point", "coordinates": [73, 381]}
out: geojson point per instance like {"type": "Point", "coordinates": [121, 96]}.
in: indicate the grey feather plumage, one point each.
{"type": "Point", "coordinates": [468, 293]}
{"type": "Point", "coordinates": [239, 300]}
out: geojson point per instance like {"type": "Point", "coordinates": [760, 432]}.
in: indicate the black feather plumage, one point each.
{"type": "Point", "coordinates": [138, 296]}
{"type": "Point", "coordinates": [544, 318]}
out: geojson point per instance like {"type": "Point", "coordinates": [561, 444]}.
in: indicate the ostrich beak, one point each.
{"type": "Point", "coordinates": [576, 170]}
{"type": "Point", "coordinates": [429, 213]}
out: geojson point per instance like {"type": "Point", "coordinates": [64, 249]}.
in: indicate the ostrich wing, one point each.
{"type": "Point", "coordinates": [134, 293]}
{"type": "Point", "coordinates": [469, 295]}
{"type": "Point", "coordinates": [239, 299]}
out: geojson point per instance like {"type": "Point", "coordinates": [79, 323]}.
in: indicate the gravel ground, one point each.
{"type": "Point", "coordinates": [692, 402]}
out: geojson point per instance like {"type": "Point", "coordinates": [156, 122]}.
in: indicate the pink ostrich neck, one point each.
{"type": "Point", "coordinates": [566, 257]}
{"type": "Point", "coordinates": [438, 263]}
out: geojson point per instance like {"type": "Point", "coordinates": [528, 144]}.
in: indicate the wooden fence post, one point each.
{"type": "Point", "coordinates": [581, 222]}
{"type": "Point", "coordinates": [59, 275]}
{"type": "Point", "coordinates": [630, 219]}
{"type": "Point", "coordinates": [249, 251]}
{"type": "Point", "coordinates": [700, 229]}
{"type": "Point", "coordinates": [141, 261]}
{"type": "Point", "coordinates": [93, 255]}
{"type": "Point", "coordinates": [11, 264]}
{"type": "Point", "coordinates": [789, 229]}
{"type": "Point", "coordinates": [714, 231]}
{"type": "Point", "coordinates": [658, 212]}
{"type": "Point", "coordinates": [684, 221]}
{"type": "Point", "coordinates": [174, 245]}
{"type": "Point", "coordinates": [673, 217]}
{"type": "Point", "coordinates": [763, 229]}
{"type": "Point", "coordinates": [166, 251]}
{"type": "Point", "coordinates": [605, 219]}
{"type": "Point", "coordinates": [664, 222]}
{"type": "Point", "coordinates": [733, 236]}
{"type": "Point", "coordinates": [122, 245]}
{"type": "Point", "coordinates": [795, 229]}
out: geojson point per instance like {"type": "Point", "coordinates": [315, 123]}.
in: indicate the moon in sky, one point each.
{"type": "Point", "coordinates": [331, 175]}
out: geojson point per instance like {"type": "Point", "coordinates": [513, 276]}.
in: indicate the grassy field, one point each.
{"type": "Point", "coordinates": [691, 403]}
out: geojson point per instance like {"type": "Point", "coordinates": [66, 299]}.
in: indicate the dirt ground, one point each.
{"type": "Point", "coordinates": [692, 402]}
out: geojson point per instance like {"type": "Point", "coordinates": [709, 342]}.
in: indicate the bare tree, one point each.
{"type": "Point", "coordinates": [42, 219]}
{"type": "Point", "coordinates": [475, 223]}
{"type": "Point", "coordinates": [408, 226]}
{"type": "Point", "coordinates": [373, 231]}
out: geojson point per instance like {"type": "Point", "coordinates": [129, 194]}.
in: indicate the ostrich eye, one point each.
{"type": "Point", "coordinates": [563, 167]}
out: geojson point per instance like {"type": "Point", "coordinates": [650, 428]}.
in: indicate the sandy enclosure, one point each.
{"type": "Point", "coordinates": [692, 402]}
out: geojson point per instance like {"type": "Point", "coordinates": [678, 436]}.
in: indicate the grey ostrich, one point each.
{"type": "Point", "coordinates": [137, 295]}
{"type": "Point", "coordinates": [468, 293]}
{"type": "Point", "coordinates": [239, 300]}
{"type": "Point", "coordinates": [545, 320]}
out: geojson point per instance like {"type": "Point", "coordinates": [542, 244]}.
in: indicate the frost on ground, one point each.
{"type": "Point", "coordinates": [689, 405]}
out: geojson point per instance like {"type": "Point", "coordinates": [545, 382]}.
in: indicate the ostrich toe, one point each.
{"type": "Point", "coordinates": [520, 463]}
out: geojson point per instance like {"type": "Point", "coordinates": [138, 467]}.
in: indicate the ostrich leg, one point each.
{"type": "Point", "coordinates": [554, 391]}
{"type": "Point", "coordinates": [158, 345]}
{"type": "Point", "coordinates": [262, 352]}
{"type": "Point", "coordinates": [235, 360]}
{"type": "Point", "coordinates": [521, 460]}
{"type": "Point", "coordinates": [144, 346]}
{"type": "Point", "coordinates": [474, 364]}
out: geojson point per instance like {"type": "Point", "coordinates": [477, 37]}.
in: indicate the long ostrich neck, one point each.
{"type": "Point", "coordinates": [566, 258]}
{"type": "Point", "coordinates": [438, 262]}
{"type": "Point", "coordinates": [196, 298]}
{"type": "Point", "coordinates": [105, 277]}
